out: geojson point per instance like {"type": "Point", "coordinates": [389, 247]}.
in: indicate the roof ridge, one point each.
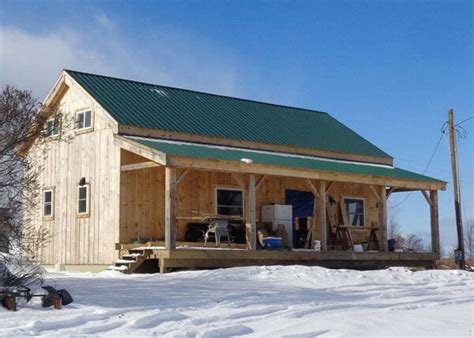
{"type": "Point", "coordinates": [198, 92]}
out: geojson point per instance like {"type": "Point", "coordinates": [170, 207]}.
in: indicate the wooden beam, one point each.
{"type": "Point", "coordinates": [328, 186]}
{"type": "Point", "coordinates": [260, 181]}
{"type": "Point", "coordinates": [389, 191]}
{"type": "Point", "coordinates": [140, 149]}
{"type": "Point", "coordinates": [343, 210]}
{"type": "Point", "coordinates": [375, 193]}
{"type": "Point", "coordinates": [170, 208]}
{"type": "Point", "coordinates": [313, 188]}
{"type": "Point", "coordinates": [238, 179]}
{"type": "Point", "coordinates": [138, 166]}
{"type": "Point", "coordinates": [312, 232]}
{"type": "Point", "coordinates": [321, 215]}
{"type": "Point", "coordinates": [383, 218]}
{"type": "Point", "coordinates": [251, 223]}
{"type": "Point", "coordinates": [306, 255]}
{"type": "Point", "coordinates": [256, 168]}
{"type": "Point", "coordinates": [434, 217]}
{"type": "Point", "coordinates": [162, 265]}
{"type": "Point", "coordinates": [427, 197]}
{"type": "Point", "coordinates": [182, 176]}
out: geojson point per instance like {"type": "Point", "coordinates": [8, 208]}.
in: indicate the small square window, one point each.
{"type": "Point", "coordinates": [355, 211]}
{"type": "Point", "coordinates": [52, 128]}
{"type": "Point", "coordinates": [84, 119]}
{"type": "Point", "coordinates": [230, 202]}
{"type": "Point", "coordinates": [48, 203]}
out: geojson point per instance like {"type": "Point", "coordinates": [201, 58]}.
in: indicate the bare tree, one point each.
{"type": "Point", "coordinates": [393, 228]}
{"type": "Point", "coordinates": [410, 242]}
{"type": "Point", "coordinates": [395, 233]}
{"type": "Point", "coordinates": [22, 124]}
{"type": "Point", "coordinates": [469, 238]}
{"type": "Point", "coordinates": [413, 242]}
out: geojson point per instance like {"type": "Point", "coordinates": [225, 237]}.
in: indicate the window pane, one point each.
{"type": "Point", "coordinates": [48, 196]}
{"type": "Point", "coordinates": [47, 210]}
{"type": "Point", "coordinates": [82, 193]}
{"type": "Point", "coordinates": [82, 206]}
{"type": "Point", "coordinates": [55, 127]}
{"type": "Point", "coordinates": [87, 119]}
{"type": "Point", "coordinates": [355, 211]}
{"type": "Point", "coordinates": [229, 211]}
{"type": "Point", "coordinates": [229, 197]}
{"type": "Point", "coordinates": [229, 202]}
{"type": "Point", "coordinates": [351, 219]}
{"type": "Point", "coordinates": [49, 128]}
{"type": "Point", "coordinates": [80, 120]}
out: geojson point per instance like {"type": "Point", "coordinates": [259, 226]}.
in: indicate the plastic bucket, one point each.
{"type": "Point", "coordinates": [317, 245]}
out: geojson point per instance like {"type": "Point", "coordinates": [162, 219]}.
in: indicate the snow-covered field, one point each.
{"type": "Point", "coordinates": [277, 301]}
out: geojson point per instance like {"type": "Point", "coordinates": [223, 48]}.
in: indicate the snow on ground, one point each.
{"type": "Point", "coordinates": [276, 301]}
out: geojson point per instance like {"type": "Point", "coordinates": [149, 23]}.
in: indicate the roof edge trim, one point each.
{"type": "Point", "coordinates": [276, 153]}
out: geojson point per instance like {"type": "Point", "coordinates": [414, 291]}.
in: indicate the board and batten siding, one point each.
{"type": "Point", "coordinates": [142, 199]}
{"type": "Point", "coordinates": [76, 239]}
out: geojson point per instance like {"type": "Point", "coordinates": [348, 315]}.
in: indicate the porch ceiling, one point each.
{"type": "Point", "coordinates": [334, 168]}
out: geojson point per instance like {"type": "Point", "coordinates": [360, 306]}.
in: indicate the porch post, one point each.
{"type": "Point", "coordinates": [170, 208]}
{"type": "Point", "coordinates": [251, 223]}
{"type": "Point", "coordinates": [321, 214]}
{"type": "Point", "coordinates": [434, 223]}
{"type": "Point", "coordinates": [383, 218]}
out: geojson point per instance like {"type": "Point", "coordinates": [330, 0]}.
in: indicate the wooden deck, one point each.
{"type": "Point", "coordinates": [199, 257]}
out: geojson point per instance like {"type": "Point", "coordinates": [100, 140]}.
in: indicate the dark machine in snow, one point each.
{"type": "Point", "coordinates": [18, 278]}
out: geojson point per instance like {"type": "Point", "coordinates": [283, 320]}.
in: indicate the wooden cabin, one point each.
{"type": "Point", "coordinates": [146, 170]}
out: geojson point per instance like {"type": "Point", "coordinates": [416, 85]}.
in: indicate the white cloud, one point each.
{"type": "Point", "coordinates": [33, 60]}
{"type": "Point", "coordinates": [105, 22]}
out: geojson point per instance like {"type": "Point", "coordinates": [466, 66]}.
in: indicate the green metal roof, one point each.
{"type": "Point", "coordinates": [211, 152]}
{"type": "Point", "coordinates": [178, 110]}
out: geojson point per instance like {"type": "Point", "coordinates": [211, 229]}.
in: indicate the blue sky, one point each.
{"type": "Point", "coordinates": [388, 69]}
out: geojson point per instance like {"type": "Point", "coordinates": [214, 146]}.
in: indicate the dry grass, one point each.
{"type": "Point", "coordinates": [448, 263]}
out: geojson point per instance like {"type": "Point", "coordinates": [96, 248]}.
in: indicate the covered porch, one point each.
{"type": "Point", "coordinates": [166, 186]}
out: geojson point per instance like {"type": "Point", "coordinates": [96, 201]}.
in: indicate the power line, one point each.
{"type": "Point", "coordinates": [465, 120]}
{"type": "Point", "coordinates": [443, 131]}
{"type": "Point", "coordinates": [434, 170]}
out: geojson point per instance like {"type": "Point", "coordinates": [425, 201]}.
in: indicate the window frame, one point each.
{"type": "Point", "coordinates": [52, 120]}
{"type": "Point", "coordinates": [76, 121]}
{"type": "Point", "coordinates": [52, 202]}
{"type": "Point", "coordinates": [364, 213]}
{"type": "Point", "coordinates": [228, 189]}
{"type": "Point", "coordinates": [87, 212]}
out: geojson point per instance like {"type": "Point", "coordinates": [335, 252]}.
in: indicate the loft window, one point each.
{"type": "Point", "coordinates": [355, 211]}
{"type": "Point", "coordinates": [48, 203]}
{"type": "Point", "coordinates": [84, 119]}
{"type": "Point", "coordinates": [229, 202]}
{"type": "Point", "coordinates": [52, 128]}
{"type": "Point", "coordinates": [83, 199]}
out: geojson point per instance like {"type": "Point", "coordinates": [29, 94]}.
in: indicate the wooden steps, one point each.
{"type": "Point", "coordinates": [130, 261]}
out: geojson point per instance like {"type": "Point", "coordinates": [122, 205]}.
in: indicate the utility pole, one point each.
{"type": "Point", "coordinates": [459, 253]}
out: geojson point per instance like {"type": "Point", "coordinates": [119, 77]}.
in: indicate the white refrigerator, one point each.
{"type": "Point", "coordinates": [279, 214]}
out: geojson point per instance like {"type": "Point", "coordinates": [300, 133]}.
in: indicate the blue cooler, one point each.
{"type": "Point", "coordinates": [272, 242]}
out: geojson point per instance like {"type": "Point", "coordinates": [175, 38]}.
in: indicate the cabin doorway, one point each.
{"type": "Point", "coordinates": [302, 203]}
